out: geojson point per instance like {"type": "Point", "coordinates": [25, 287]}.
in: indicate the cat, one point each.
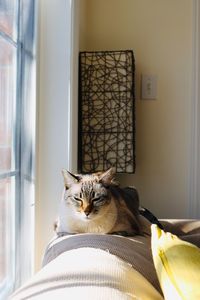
{"type": "Point", "coordinates": [94, 203]}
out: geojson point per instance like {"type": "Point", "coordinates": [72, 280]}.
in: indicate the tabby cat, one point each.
{"type": "Point", "coordinates": [94, 203]}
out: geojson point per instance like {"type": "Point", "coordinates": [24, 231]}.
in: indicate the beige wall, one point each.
{"type": "Point", "coordinates": [160, 34]}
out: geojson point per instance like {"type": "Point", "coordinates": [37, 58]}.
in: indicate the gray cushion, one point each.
{"type": "Point", "coordinates": [133, 250]}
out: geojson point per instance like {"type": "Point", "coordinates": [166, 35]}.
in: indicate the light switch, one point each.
{"type": "Point", "coordinates": [149, 87]}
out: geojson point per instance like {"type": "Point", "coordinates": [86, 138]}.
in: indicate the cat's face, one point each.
{"type": "Point", "coordinates": [87, 195]}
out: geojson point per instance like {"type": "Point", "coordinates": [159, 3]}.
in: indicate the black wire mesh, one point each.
{"type": "Point", "coordinates": [106, 111]}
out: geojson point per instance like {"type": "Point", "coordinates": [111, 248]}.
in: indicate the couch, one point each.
{"type": "Point", "coordinates": [102, 266]}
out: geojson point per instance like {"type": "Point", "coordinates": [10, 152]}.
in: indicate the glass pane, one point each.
{"type": "Point", "coordinates": [7, 104]}
{"type": "Point", "coordinates": [7, 208]}
{"type": "Point", "coordinates": [8, 17]}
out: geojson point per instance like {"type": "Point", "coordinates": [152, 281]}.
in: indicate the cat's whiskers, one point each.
{"type": "Point", "coordinates": [93, 204]}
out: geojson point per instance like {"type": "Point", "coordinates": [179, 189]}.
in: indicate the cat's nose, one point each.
{"type": "Point", "coordinates": [87, 212]}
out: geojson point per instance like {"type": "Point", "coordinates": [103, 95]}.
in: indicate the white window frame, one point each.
{"type": "Point", "coordinates": [21, 259]}
{"type": "Point", "coordinates": [57, 90]}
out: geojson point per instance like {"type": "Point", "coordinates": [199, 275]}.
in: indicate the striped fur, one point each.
{"type": "Point", "coordinates": [94, 203]}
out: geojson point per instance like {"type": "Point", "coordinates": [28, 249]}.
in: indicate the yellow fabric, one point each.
{"type": "Point", "coordinates": [177, 265]}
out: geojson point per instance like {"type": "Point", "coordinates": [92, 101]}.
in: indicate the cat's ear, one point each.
{"type": "Point", "coordinates": [107, 177]}
{"type": "Point", "coordinates": [70, 178]}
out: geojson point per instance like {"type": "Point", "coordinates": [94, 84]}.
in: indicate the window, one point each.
{"type": "Point", "coordinates": [17, 141]}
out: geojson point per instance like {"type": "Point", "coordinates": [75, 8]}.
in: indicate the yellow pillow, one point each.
{"type": "Point", "coordinates": [177, 265]}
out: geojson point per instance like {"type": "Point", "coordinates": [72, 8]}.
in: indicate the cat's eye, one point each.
{"type": "Point", "coordinates": [98, 199]}
{"type": "Point", "coordinates": [78, 199]}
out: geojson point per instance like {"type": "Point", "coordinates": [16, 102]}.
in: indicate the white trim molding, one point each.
{"type": "Point", "coordinates": [194, 174]}
{"type": "Point", "coordinates": [56, 111]}
{"type": "Point", "coordinates": [73, 89]}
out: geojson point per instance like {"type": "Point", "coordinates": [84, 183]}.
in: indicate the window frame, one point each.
{"type": "Point", "coordinates": [18, 274]}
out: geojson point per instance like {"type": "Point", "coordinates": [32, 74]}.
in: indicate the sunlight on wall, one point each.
{"type": "Point", "coordinates": [160, 34]}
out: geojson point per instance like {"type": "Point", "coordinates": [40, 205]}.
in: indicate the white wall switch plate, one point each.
{"type": "Point", "coordinates": [149, 87]}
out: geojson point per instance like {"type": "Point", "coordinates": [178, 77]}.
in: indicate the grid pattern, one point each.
{"type": "Point", "coordinates": [106, 111]}
{"type": "Point", "coordinates": [17, 141]}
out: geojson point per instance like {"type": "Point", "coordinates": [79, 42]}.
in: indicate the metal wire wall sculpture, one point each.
{"type": "Point", "coordinates": [106, 111]}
